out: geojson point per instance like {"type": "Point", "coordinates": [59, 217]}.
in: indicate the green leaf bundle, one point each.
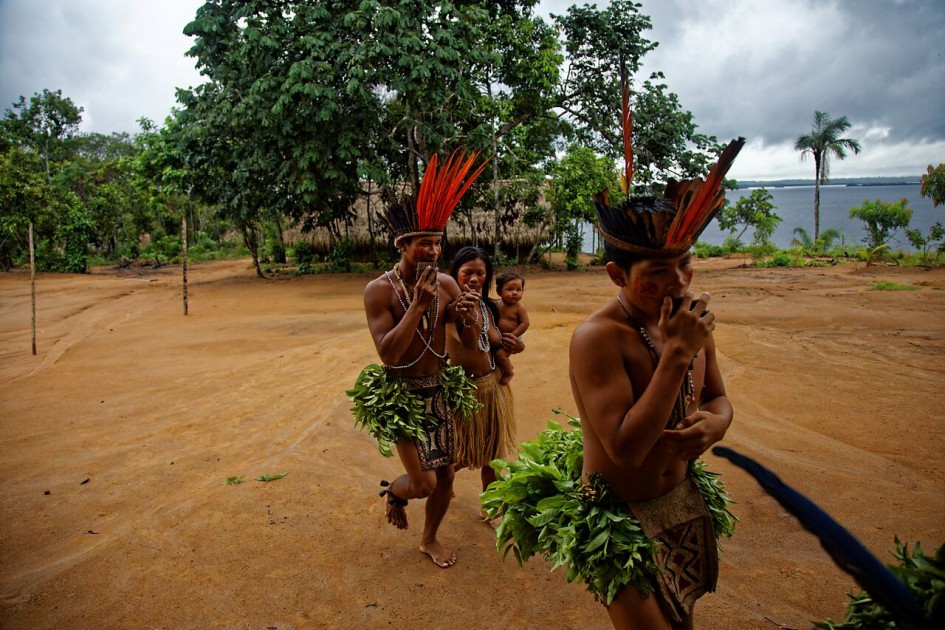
{"type": "Point", "coordinates": [391, 412]}
{"type": "Point", "coordinates": [923, 575]}
{"type": "Point", "coordinates": [547, 509]}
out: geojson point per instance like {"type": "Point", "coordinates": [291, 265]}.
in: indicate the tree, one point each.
{"type": "Point", "coordinates": [665, 138]}
{"type": "Point", "coordinates": [881, 219]}
{"type": "Point", "coordinates": [306, 103]}
{"type": "Point", "coordinates": [45, 124]}
{"type": "Point", "coordinates": [933, 184]}
{"type": "Point", "coordinates": [822, 141]}
{"type": "Point", "coordinates": [575, 178]}
{"type": "Point", "coordinates": [23, 196]}
{"type": "Point", "coordinates": [754, 211]}
{"type": "Point", "coordinates": [803, 240]}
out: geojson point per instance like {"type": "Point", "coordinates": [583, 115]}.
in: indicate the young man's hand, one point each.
{"type": "Point", "coordinates": [694, 434]}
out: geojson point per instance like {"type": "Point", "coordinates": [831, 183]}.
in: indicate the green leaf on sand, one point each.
{"type": "Point", "coordinates": [271, 477]}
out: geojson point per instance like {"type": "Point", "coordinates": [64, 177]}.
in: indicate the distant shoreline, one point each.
{"type": "Point", "coordinates": [840, 181]}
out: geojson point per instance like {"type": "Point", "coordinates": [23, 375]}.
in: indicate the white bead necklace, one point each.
{"type": "Point", "coordinates": [404, 303]}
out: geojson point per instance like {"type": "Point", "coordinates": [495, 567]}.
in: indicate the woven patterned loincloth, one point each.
{"type": "Point", "coordinates": [439, 446]}
{"type": "Point", "coordinates": [687, 555]}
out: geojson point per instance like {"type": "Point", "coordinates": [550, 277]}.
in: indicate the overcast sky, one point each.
{"type": "Point", "coordinates": [743, 67]}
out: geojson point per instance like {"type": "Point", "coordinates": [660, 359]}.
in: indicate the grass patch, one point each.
{"type": "Point", "coordinates": [887, 285]}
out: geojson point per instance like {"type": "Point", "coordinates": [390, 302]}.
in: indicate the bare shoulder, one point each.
{"type": "Point", "coordinates": [598, 333]}
{"type": "Point", "coordinates": [377, 290]}
{"type": "Point", "coordinates": [448, 284]}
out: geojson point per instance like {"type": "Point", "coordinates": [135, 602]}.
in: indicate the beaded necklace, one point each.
{"type": "Point", "coordinates": [405, 301]}
{"type": "Point", "coordinates": [483, 343]}
{"type": "Point", "coordinates": [687, 391]}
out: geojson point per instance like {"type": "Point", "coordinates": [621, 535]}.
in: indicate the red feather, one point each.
{"type": "Point", "coordinates": [441, 191]}
{"type": "Point", "coordinates": [697, 201]}
{"type": "Point", "coordinates": [627, 123]}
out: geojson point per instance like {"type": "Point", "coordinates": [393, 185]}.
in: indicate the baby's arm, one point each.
{"type": "Point", "coordinates": [523, 322]}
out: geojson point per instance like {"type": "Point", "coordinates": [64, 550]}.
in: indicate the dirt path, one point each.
{"type": "Point", "coordinates": [116, 439]}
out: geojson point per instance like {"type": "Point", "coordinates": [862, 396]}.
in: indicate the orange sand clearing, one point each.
{"type": "Point", "coordinates": [115, 441]}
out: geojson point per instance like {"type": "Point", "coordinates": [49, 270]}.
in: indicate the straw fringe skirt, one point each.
{"type": "Point", "coordinates": [490, 433]}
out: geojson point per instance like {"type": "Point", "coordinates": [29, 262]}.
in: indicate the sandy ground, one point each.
{"type": "Point", "coordinates": [117, 437]}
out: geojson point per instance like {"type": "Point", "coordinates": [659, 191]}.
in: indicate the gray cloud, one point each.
{"type": "Point", "coordinates": [118, 60]}
{"type": "Point", "coordinates": [743, 67]}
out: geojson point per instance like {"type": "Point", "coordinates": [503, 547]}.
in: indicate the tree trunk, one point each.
{"type": "Point", "coordinates": [280, 255]}
{"type": "Point", "coordinates": [817, 167]}
{"type": "Point", "coordinates": [370, 226]}
{"type": "Point", "coordinates": [183, 242]}
{"type": "Point", "coordinates": [495, 190]}
{"type": "Point", "coordinates": [250, 235]}
{"type": "Point", "coordinates": [32, 292]}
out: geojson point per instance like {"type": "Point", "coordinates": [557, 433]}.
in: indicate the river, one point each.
{"type": "Point", "coordinates": [795, 206]}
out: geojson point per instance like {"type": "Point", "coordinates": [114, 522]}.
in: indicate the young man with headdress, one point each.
{"type": "Point", "coordinates": [625, 503]}
{"type": "Point", "coordinates": [411, 400]}
{"type": "Point", "coordinates": [649, 391]}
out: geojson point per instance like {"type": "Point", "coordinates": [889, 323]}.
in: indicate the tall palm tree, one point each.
{"type": "Point", "coordinates": [824, 139]}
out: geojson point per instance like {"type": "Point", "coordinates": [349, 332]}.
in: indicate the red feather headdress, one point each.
{"type": "Point", "coordinates": [668, 226]}
{"type": "Point", "coordinates": [440, 192]}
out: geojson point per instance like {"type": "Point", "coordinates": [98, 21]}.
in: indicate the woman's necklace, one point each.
{"type": "Point", "coordinates": [687, 391]}
{"type": "Point", "coordinates": [483, 342]}
{"type": "Point", "coordinates": [405, 301]}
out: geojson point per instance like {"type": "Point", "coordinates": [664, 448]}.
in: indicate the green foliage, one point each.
{"type": "Point", "coordinates": [390, 412]}
{"type": "Point", "coordinates": [924, 242]}
{"type": "Point", "coordinates": [755, 211]}
{"type": "Point", "coordinates": [547, 509]}
{"type": "Point", "coordinates": [340, 257]}
{"type": "Point", "coordinates": [575, 178]}
{"type": "Point", "coordinates": [924, 577]}
{"type": "Point", "coordinates": [881, 219]}
{"type": "Point", "coordinates": [813, 247]}
{"type": "Point", "coordinates": [707, 250]}
{"type": "Point", "coordinates": [888, 285]}
{"type": "Point", "coordinates": [780, 259]}
{"type": "Point", "coordinates": [271, 476]}
{"type": "Point", "coordinates": [23, 196]}
{"type": "Point", "coordinates": [933, 184]}
{"type": "Point", "coordinates": [303, 102]}
{"type": "Point", "coordinates": [303, 252]}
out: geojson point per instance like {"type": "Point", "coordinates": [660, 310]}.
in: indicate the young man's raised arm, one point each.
{"type": "Point", "coordinates": [628, 424]}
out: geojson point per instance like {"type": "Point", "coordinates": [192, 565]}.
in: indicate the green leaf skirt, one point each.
{"type": "Point", "coordinates": [546, 508]}
{"type": "Point", "coordinates": [390, 411]}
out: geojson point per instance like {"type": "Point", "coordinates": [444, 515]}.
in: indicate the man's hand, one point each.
{"type": "Point", "coordinates": [686, 330]}
{"type": "Point", "coordinates": [426, 288]}
{"type": "Point", "coordinates": [694, 434]}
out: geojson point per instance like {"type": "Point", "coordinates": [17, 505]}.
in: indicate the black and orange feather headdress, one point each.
{"type": "Point", "coordinates": [666, 226]}
{"type": "Point", "coordinates": [440, 191]}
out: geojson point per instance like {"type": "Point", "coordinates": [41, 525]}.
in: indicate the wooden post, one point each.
{"type": "Point", "coordinates": [32, 292]}
{"type": "Point", "coordinates": [183, 240]}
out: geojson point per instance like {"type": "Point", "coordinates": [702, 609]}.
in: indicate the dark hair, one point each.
{"type": "Point", "coordinates": [622, 258]}
{"type": "Point", "coordinates": [467, 254]}
{"type": "Point", "coordinates": [504, 277]}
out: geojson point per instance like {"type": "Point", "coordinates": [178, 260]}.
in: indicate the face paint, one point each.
{"type": "Point", "coordinates": [472, 274]}
{"type": "Point", "coordinates": [645, 289]}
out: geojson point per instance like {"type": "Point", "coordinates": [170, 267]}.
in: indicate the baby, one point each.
{"type": "Point", "coordinates": [513, 317]}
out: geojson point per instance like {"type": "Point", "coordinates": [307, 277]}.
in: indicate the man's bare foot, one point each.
{"type": "Point", "coordinates": [396, 515]}
{"type": "Point", "coordinates": [441, 556]}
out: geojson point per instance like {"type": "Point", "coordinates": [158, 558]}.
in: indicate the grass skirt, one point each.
{"type": "Point", "coordinates": [490, 432]}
